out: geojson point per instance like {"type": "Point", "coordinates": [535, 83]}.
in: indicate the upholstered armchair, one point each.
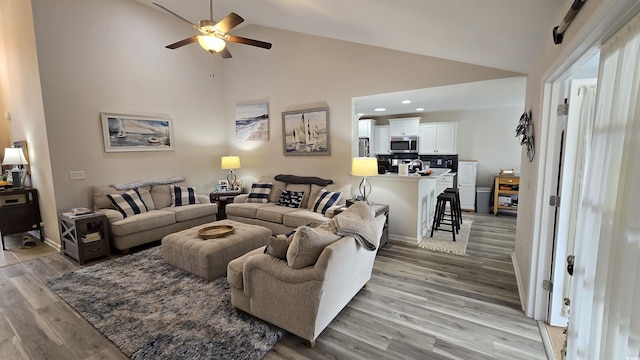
{"type": "Point", "coordinates": [302, 299]}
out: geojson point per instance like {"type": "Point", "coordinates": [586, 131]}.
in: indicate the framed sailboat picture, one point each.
{"type": "Point", "coordinates": [122, 132]}
{"type": "Point", "coordinates": [306, 132]}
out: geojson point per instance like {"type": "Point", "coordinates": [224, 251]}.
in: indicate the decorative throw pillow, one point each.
{"type": "Point", "coordinates": [128, 203]}
{"type": "Point", "coordinates": [291, 199]}
{"type": "Point", "coordinates": [183, 196]}
{"type": "Point", "coordinates": [277, 246]}
{"type": "Point", "coordinates": [259, 193]}
{"type": "Point", "coordinates": [307, 245]}
{"type": "Point", "coordinates": [325, 200]}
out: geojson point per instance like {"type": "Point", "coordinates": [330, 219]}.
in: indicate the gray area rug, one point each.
{"type": "Point", "coordinates": [152, 310]}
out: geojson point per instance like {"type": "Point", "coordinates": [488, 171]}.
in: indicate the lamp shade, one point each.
{"type": "Point", "coordinates": [364, 166]}
{"type": "Point", "coordinates": [14, 156]}
{"type": "Point", "coordinates": [211, 43]}
{"type": "Point", "coordinates": [230, 162]}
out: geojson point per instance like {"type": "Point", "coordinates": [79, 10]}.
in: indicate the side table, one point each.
{"type": "Point", "coordinates": [222, 198]}
{"type": "Point", "coordinates": [19, 212]}
{"type": "Point", "coordinates": [380, 209]}
{"type": "Point", "coordinates": [84, 237]}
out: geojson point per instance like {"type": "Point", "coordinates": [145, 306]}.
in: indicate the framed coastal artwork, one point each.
{"type": "Point", "coordinates": [306, 132]}
{"type": "Point", "coordinates": [252, 121]}
{"type": "Point", "coordinates": [123, 132]}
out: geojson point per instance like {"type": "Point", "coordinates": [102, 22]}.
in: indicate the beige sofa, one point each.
{"type": "Point", "coordinates": [303, 300]}
{"type": "Point", "coordinates": [281, 219]}
{"type": "Point", "coordinates": [160, 219]}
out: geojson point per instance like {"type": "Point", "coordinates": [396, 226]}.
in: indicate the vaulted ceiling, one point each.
{"type": "Point", "coordinates": [502, 34]}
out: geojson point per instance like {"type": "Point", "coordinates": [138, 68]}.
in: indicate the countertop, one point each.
{"type": "Point", "coordinates": [437, 172]}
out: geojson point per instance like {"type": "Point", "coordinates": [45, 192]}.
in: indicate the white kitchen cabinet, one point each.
{"type": "Point", "coordinates": [381, 136]}
{"type": "Point", "coordinates": [365, 128]}
{"type": "Point", "coordinates": [404, 126]}
{"type": "Point", "coordinates": [445, 181]}
{"type": "Point", "coordinates": [437, 138]}
{"type": "Point", "coordinates": [467, 171]}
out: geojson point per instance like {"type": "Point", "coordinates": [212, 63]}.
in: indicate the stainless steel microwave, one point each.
{"type": "Point", "coordinates": [403, 144]}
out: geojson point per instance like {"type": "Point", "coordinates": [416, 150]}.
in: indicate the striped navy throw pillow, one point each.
{"type": "Point", "coordinates": [260, 193]}
{"type": "Point", "coordinates": [128, 203]}
{"type": "Point", "coordinates": [325, 200]}
{"type": "Point", "coordinates": [183, 196]}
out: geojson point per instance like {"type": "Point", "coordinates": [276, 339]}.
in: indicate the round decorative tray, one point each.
{"type": "Point", "coordinates": [215, 231]}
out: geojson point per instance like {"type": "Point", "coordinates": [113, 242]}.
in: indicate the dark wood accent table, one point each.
{"type": "Point", "coordinates": [73, 230]}
{"type": "Point", "coordinates": [380, 209]}
{"type": "Point", "coordinates": [19, 212]}
{"type": "Point", "coordinates": [222, 198]}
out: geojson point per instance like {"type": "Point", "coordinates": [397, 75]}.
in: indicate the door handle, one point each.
{"type": "Point", "coordinates": [570, 260]}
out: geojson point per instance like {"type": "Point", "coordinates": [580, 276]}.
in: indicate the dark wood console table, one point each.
{"type": "Point", "coordinates": [222, 198]}
{"type": "Point", "coordinates": [19, 212]}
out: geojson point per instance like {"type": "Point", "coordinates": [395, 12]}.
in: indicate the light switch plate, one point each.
{"type": "Point", "coordinates": [76, 175]}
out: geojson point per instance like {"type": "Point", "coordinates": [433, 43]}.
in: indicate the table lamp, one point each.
{"type": "Point", "coordinates": [15, 156]}
{"type": "Point", "coordinates": [230, 163]}
{"type": "Point", "coordinates": [364, 166]}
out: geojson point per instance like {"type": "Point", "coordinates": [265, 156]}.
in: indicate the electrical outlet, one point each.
{"type": "Point", "coordinates": [76, 175]}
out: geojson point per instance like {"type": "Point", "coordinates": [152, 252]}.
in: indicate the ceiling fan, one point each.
{"type": "Point", "coordinates": [214, 35]}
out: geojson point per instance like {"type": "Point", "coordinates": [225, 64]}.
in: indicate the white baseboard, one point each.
{"type": "Point", "coordinates": [404, 238]}
{"type": "Point", "coordinates": [546, 340]}
{"type": "Point", "coordinates": [52, 244]}
{"type": "Point", "coordinates": [516, 270]}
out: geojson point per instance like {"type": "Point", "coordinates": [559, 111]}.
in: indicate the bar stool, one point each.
{"type": "Point", "coordinates": [441, 215]}
{"type": "Point", "coordinates": [457, 205]}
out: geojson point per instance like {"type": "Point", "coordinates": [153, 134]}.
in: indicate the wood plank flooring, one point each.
{"type": "Point", "coordinates": [418, 305]}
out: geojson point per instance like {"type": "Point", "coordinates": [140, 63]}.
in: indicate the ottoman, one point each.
{"type": "Point", "coordinates": [208, 259]}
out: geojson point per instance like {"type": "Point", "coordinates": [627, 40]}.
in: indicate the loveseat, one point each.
{"type": "Point", "coordinates": [281, 203]}
{"type": "Point", "coordinates": [302, 281]}
{"type": "Point", "coordinates": [146, 211]}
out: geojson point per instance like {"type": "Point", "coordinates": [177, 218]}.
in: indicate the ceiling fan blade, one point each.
{"type": "Point", "coordinates": [225, 53]}
{"type": "Point", "coordinates": [242, 40]}
{"type": "Point", "coordinates": [176, 15]}
{"type": "Point", "coordinates": [232, 20]}
{"type": "Point", "coordinates": [181, 43]}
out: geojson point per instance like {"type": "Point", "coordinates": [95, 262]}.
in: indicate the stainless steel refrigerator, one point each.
{"type": "Point", "coordinates": [363, 147]}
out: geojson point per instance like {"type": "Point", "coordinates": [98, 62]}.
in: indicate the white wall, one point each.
{"type": "Point", "coordinates": [589, 29]}
{"type": "Point", "coordinates": [486, 135]}
{"type": "Point", "coordinates": [23, 97]}
{"type": "Point", "coordinates": [301, 71]}
{"type": "Point", "coordinates": [109, 56]}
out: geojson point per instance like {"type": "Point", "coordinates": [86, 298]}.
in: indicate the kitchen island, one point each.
{"type": "Point", "coordinates": [411, 200]}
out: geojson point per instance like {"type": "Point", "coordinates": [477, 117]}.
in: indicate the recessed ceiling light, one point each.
{"type": "Point", "coordinates": [420, 109]}
{"type": "Point", "coordinates": [406, 101]}
{"type": "Point", "coordinates": [360, 114]}
{"type": "Point", "coordinates": [379, 109]}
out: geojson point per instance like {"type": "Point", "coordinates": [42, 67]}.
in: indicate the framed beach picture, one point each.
{"type": "Point", "coordinates": [122, 132]}
{"type": "Point", "coordinates": [252, 121]}
{"type": "Point", "coordinates": [306, 132]}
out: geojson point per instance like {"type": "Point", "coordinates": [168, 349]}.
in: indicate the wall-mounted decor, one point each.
{"type": "Point", "coordinates": [123, 132]}
{"type": "Point", "coordinates": [306, 132]}
{"type": "Point", "coordinates": [252, 121]}
{"type": "Point", "coordinates": [525, 129]}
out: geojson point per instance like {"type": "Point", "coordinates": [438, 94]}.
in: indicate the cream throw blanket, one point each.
{"type": "Point", "coordinates": [358, 221]}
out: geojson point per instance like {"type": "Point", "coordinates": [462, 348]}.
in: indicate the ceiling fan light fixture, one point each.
{"type": "Point", "coordinates": [211, 43]}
